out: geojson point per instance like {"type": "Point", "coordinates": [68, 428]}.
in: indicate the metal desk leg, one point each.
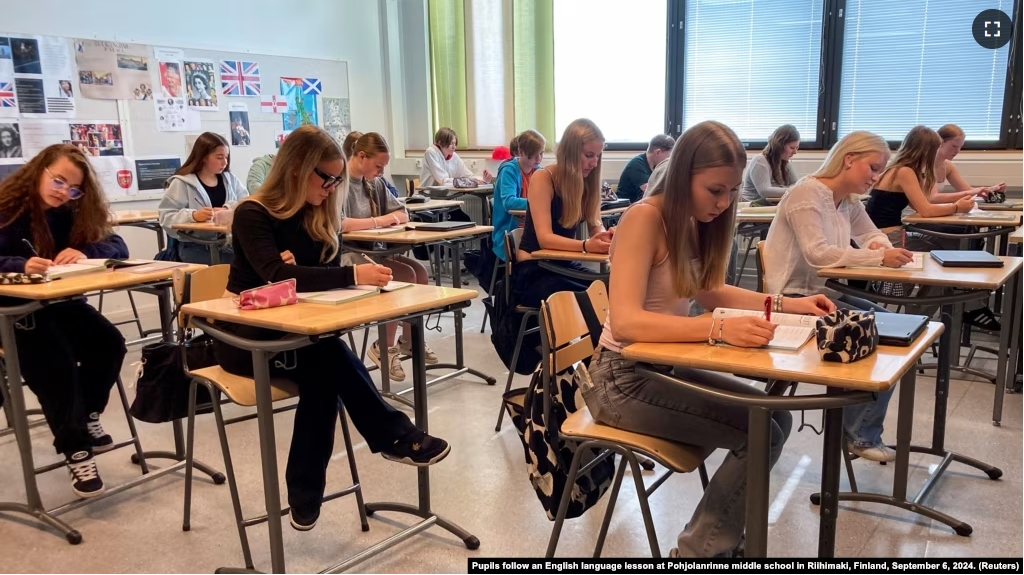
{"type": "Point", "coordinates": [1003, 378]}
{"type": "Point", "coordinates": [759, 434]}
{"type": "Point", "coordinates": [214, 254]}
{"type": "Point", "coordinates": [831, 455]}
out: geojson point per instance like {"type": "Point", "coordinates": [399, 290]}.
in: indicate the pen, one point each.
{"type": "Point", "coordinates": [30, 247]}
{"type": "Point", "coordinates": [367, 258]}
{"type": "Point", "coordinates": [768, 308]}
{"type": "Point", "coordinates": [903, 243]}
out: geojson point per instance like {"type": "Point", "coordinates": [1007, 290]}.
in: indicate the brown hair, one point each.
{"type": "Point", "coordinates": [950, 131]}
{"type": "Point", "coordinates": [350, 142]}
{"type": "Point", "coordinates": [581, 198]}
{"type": "Point", "coordinates": [371, 144]}
{"type": "Point", "coordinates": [20, 193]}
{"type": "Point", "coordinates": [445, 137]}
{"type": "Point", "coordinates": [917, 152]}
{"type": "Point", "coordinates": [528, 143]}
{"type": "Point", "coordinates": [773, 151]}
{"type": "Point", "coordinates": [706, 145]}
{"type": "Point", "coordinates": [206, 144]}
{"type": "Point", "coordinates": [284, 191]}
{"type": "Point", "coordinates": [513, 146]}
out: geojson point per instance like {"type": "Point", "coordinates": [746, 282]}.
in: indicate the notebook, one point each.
{"type": "Point", "coordinates": [337, 296]}
{"type": "Point", "coordinates": [792, 332]}
{"type": "Point", "coordinates": [989, 215]}
{"type": "Point", "coordinates": [899, 329]}
{"type": "Point", "coordinates": [917, 264]}
{"type": "Point", "coordinates": [1001, 206]}
{"type": "Point", "coordinates": [71, 270]}
{"type": "Point", "coordinates": [392, 286]}
{"type": "Point", "coordinates": [439, 226]}
{"type": "Point", "coordinates": [966, 259]}
{"type": "Point", "coordinates": [114, 263]}
{"type": "Point", "coordinates": [382, 231]}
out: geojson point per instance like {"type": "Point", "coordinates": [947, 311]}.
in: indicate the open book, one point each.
{"type": "Point", "coordinates": [383, 231]}
{"type": "Point", "coordinates": [340, 296]}
{"type": "Point", "coordinates": [57, 272]}
{"type": "Point", "coordinates": [792, 332]}
{"type": "Point", "coordinates": [917, 264]}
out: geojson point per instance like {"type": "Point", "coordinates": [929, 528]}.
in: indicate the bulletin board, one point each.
{"type": "Point", "coordinates": [145, 151]}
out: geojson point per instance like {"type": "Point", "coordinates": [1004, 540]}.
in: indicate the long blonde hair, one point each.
{"type": "Point", "coordinates": [855, 143]}
{"type": "Point", "coordinates": [284, 191]}
{"type": "Point", "coordinates": [917, 152]}
{"type": "Point", "coordinates": [706, 145]}
{"type": "Point", "coordinates": [581, 198]}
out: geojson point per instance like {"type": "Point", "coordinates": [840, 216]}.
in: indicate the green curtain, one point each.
{"type": "Point", "coordinates": [533, 49]}
{"type": "Point", "coordinates": [448, 66]}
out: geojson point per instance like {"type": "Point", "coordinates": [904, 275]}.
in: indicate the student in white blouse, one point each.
{"type": "Point", "coordinates": [812, 230]}
{"type": "Point", "coordinates": [441, 165]}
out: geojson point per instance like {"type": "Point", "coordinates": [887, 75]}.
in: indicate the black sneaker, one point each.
{"type": "Point", "coordinates": [85, 478]}
{"type": "Point", "coordinates": [419, 449]}
{"type": "Point", "coordinates": [101, 441]}
{"type": "Point", "coordinates": [303, 520]}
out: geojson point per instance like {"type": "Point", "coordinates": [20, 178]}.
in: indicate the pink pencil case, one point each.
{"type": "Point", "coordinates": [271, 295]}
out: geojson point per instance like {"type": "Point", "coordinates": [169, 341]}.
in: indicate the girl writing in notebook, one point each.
{"type": "Point", "coordinates": [670, 249]}
{"type": "Point", "coordinates": [812, 230]}
{"type": "Point", "coordinates": [770, 173]}
{"type": "Point", "coordinates": [202, 186]}
{"type": "Point", "coordinates": [296, 210]}
{"type": "Point", "coordinates": [369, 206]}
{"type": "Point", "coordinates": [953, 138]}
{"type": "Point", "coordinates": [562, 196]}
{"type": "Point", "coordinates": [53, 211]}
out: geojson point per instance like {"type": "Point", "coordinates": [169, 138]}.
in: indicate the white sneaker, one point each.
{"type": "Point", "coordinates": [395, 371]}
{"type": "Point", "coordinates": [429, 357]}
{"type": "Point", "coordinates": [881, 452]}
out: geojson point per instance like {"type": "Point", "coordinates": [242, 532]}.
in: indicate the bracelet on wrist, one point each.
{"type": "Point", "coordinates": [584, 246]}
{"type": "Point", "coordinates": [721, 325]}
{"type": "Point", "coordinates": [374, 220]}
{"type": "Point", "coordinates": [711, 332]}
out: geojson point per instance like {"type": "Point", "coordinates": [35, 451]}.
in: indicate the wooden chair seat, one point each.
{"type": "Point", "coordinates": [678, 457]}
{"type": "Point", "coordinates": [242, 390]}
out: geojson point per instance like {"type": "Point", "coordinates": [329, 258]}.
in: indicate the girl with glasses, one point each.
{"type": "Point", "coordinates": [296, 211]}
{"type": "Point", "coordinates": [53, 212]}
{"type": "Point", "coordinates": [202, 187]}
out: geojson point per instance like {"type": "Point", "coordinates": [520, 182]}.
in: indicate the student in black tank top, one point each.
{"type": "Point", "coordinates": [562, 196]}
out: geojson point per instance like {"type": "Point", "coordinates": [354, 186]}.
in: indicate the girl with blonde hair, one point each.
{"type": "Point", "coordinates": [671, 249]}
{"type": "Point", "coordinates": [296, 212]}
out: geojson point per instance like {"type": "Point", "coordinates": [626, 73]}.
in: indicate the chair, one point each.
{"type": "Point", "coordinates": [411, 185]}
{"type": "Point", "coordinates": [206, 284]}
{"type": "Point", "coordinates": [517, 236]}
{"type": "Point", "coordinates": [512, 240]}
{"type": "Point", "coordinates": [566, 341]}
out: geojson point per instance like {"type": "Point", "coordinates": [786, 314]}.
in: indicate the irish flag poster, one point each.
{"type": "Point", "coordinates": [301, 106]}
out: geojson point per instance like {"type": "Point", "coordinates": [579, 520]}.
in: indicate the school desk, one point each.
{"type": "Point", "coordinates": [436, 205]}
{"type": "Point", "coordinates": [306, 322]}
{"type": "Point", "coordinates": [145, 219]}
{"type": "Point", "coordinates": [214, 244]}
{"type": "Point", "coordinates": [34, 297]}
{"type": "Point", "coordinates": [545, 256]}
{"type": "Point", "coordinates": [846, 384]}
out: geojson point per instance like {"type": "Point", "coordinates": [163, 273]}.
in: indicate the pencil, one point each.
{"type": "Point", "coordinates": [367, 258]}
{"type": "Point", "coordinates": [903, 243]}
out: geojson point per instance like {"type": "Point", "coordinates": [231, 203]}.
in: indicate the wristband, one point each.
{"type": "Point", "coordinates": [777, 303]}
{"type": "Point", "coordinates": [584, 246]}
{"type": "Point", "coordinates": [721, 324]}
{"type": "Point", "coordinates": [711, 338]}
{"type": "Point", "coordinates": [374, 220]}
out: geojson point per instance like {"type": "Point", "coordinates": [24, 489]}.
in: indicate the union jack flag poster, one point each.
{"type": "Point", "coordinates": [239, 78]}
{"type": "Point", "coordinates": [7, 99]}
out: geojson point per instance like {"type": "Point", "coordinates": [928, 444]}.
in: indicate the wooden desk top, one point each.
{"type": "Point", "coordinates": [983, 219]}
{"type": "Point", "coordinates": [568, 256]}
{"type": "Point", "coordinates": [1004, 207]}
{"type": "Point", "coordinates": [877, 372]}
{"type": "Point", "coordinates": [1017, 236]}
{"type": "Point", "coordinates": [432, 205]}
{"type": "Point", "coordinates": [756, 215]}
{"type": "Point", "coordinates": [934, 274]}
{"type": "Point", "coordinates": [202, 227]}
{"type": "Point", "coordinates": [85, 283]}
{"type": "Point", "coordinates": [608, 212]}
{"type": "Point", "coordinates": [316, 319]}
{"type": "Point", "coordinates": [133, 216]}
{"type": "Point", "coordinates": [415, 236]}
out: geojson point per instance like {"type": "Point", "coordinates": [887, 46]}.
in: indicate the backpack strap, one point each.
{"type": "Point", "coordinates": [590, 316]}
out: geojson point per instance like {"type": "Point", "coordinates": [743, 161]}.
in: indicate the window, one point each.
{"type": "Point", "coordinates": [610, 66]}
{"type": "Point", "coordinates": [930, 72]}
{"type": "Point", "coordinates": [486, 58]}
{"type": "Point", "coordinates": [752, 65]}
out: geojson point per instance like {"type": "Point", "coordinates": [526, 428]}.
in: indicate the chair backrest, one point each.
{"type": "Point", "coordinates": [202, 285]}
{"type": "Point", "coordinates": [760, 266]}
{"type": "Point", "coordinates": [512, 240]}
{"type": "Point", "coordinates": [567, 335]}
{"type": "Point", "coordinates": [411, 185]}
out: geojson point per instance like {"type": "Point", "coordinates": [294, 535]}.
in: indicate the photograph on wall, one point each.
{"type": "Point", "coordinates": [5, 48]}
{"type": "Point", "coordinates": [25, 54]}
{"type": "Point", "coordinates": [238, 114]}
{"type": "Point", "coordinates": [10, 140]}
{"type": "Point", "coordinates": [240, 78]}
{"type": "Point", "coordinates": [152, 172]}
{"type": "Point", "coordinates": [199, 84]}
{"type": "Point", "coordinates": [301, 105]}
{"type": "Point", "coordinates": [110, 70]}
{"type": "Point", "coordinates": [173, 115]}
{"type": "Point", "coordinates": [337, 117]}
{"type": "Point", "coordinates": [41, 82]}
{"type": "Point", "coordinates": [98, 139]}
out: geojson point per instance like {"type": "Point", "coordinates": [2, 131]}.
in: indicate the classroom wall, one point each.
{"type": "Point", "coordinates": [347, 30]}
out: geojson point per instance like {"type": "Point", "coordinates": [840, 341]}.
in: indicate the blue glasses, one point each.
{"type": "Point", "coordinates": [59, 185]}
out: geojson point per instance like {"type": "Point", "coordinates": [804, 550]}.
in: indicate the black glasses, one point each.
{"type": "Point", "coordinates": [330, 182]}
{"type": "Point", "coordinates": [59, 185]}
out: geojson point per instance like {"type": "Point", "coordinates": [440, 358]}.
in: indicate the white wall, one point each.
{"type": "Point", "coordinates": [347, 30]}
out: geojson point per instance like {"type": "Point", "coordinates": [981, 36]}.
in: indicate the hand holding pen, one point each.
{"type": "Point", "coordinates": [35, 264]}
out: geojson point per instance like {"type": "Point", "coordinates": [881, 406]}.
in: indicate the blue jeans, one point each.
{"type": "Point", "coordinates": [621, 398]}
{"type": "Point", "coordinates": [193, 253]}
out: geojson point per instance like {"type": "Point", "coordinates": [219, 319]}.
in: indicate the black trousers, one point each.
{"type": "Point", "coordinates": [70, 358]}
{"type": "Point", "coordinates": [533, 284]}
{"type": "Point", "coordinates": [329, 376]}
